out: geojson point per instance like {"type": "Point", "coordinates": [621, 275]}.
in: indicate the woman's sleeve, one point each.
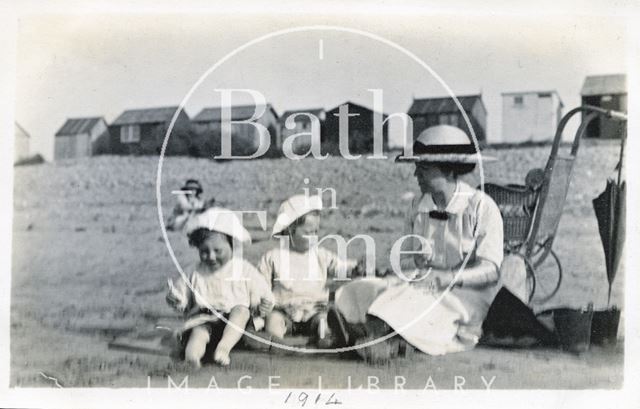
{"type": "Point", "coordinates": [489, 233]}
{"type": "Point", "coordinates": [408, 261]}
{"type": "Point", "coordinates": [488, 249]}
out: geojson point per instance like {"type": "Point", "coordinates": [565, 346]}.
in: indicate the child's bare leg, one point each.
{"type": "Point", "coordinates": [276, 324]}
{"type": "Point", "coordinates": [197, 344]}
{"type": "Point", "coordinates": [239, 316]}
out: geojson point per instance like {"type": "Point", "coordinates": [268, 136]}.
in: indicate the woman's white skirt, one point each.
{"type": "Point", "coordinates": [432, 322]}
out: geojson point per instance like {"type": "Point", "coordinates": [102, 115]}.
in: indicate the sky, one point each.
{"type": "Point", "coordinates": [75, 65]}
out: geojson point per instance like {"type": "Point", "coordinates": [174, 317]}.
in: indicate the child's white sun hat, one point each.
{"type": "Point", "coordinates": [220, 220]}
{"type": "Point", "coordinates": [294, 208]}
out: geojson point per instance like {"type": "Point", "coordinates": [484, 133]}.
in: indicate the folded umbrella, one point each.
{"type": "Point", "coordinates": [610, 210]}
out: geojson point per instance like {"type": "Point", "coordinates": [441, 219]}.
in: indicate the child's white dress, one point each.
{"type": "Point", "coordinates": [299, 280]}
{"type": "Point", "coordinates": [220, 291]}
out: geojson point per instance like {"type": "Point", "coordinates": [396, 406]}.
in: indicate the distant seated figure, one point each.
{"type": "Point", "coordinates": [189, 203]}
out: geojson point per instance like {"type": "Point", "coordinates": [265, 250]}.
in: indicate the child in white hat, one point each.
{"type": "Point", "coordinates": [221, 286]}
{"type": "Point", "coordinates": [300, 273]}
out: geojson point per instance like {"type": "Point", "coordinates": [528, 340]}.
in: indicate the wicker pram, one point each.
{"type": "Point", "coordinates": [531, 212]}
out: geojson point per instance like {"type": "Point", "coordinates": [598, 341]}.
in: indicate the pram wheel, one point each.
{"type": "Point", "coordinates": [544, 278]}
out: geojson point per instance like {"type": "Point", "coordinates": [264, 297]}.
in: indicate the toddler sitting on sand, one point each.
{"type": "Point", "coordinates": [222, 291]}
{"type": "Point", "coordinates": [300, 274]}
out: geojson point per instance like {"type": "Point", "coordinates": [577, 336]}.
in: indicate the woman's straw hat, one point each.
{"type": "Point", "coordinates": [220, 220]}
{"type": "Point", "coordinates": [294, 208]}
{"type": "Point", "coordinates": [444, 143]}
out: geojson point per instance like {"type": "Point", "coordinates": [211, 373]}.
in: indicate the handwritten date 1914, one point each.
{"type": "Point", "coordinates": [302, 398]}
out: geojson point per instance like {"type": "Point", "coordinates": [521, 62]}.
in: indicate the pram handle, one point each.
{"type": "Point", "coordinates": [617, 115]}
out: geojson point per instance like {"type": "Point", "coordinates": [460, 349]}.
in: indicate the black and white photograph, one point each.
{"type": "Point", "coordinates": [318, 203]}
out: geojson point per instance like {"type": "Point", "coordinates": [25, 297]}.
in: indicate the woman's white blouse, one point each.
{"type": "Point", "coordinates": [473, 228]}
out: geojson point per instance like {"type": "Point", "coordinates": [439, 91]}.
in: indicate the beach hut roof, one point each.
{"type": "Point", "coordinates": [441, 105]}
{"type": "Point", "coordinates": [238, 113]}
{"type": "Point", "coordinates": [76, 126]}
{"type": "Point", "coordinates": [146, 116]}
{"type": "Point", "coordinates": [604, 85]}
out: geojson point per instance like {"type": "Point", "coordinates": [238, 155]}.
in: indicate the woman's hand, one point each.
{"type": "Point", "coordinates": [422, 259]}
{"type": "Point", "coordinates": [443, 281]}
{"type": "Point", "coordinates": [265, 306]}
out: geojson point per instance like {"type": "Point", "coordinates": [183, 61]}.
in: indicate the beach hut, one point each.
{"type": "Point", "coordinates": [426, 112]}
{"type": "Point", "coordinates": [302, 124]}
{"type": "Point", "coordinates": [361, 130]}
{"type": "Point", "coordinates": [142, 132]}
{"type": "Point", "coordinates": [207, 125]}
{"type": "Point", "coordinates": [21, 143]}
{"type": "Point", "coordinates": [530, 116]}
{"type": "Point", "coordinates": [608, 92]}
{"type": "Point", "coordinates": [81, 137]}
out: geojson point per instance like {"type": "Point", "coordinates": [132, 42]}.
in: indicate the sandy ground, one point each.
{"type": "Point", "coordinates": [89, 263]}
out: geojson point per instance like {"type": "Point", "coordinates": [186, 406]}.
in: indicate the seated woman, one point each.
{"type": "Point", "coordinates": [453, 276]}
